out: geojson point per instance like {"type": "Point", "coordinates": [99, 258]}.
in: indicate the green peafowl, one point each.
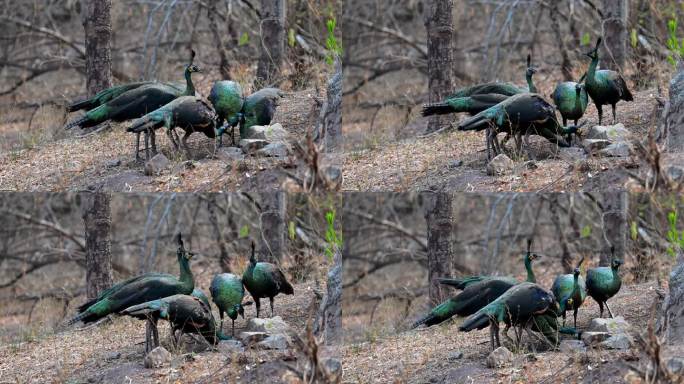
{"type": "Point", "coordinates": [516, 307]}
{"type": "Point", "coordinates": [139, 289]}
{"type": "Point", "coordinates": [187, 314]}
{"type": "Point", "coordinates": [259, 108]}
{"type": "Point", "coordinates": [137, 102]}
{"type": "Point", "coordinates": [478, 291]}
{"type": "Point", "coordinates": [521, 115]}
{"type": "Point", "coordinates": [605, 86]}
{"type": "Point", "coordinates": [198, 293]}
{"type": "Point", "coordinates": [570, 290]}
{"type": "Point", "coordinates": [227, 98]}
{"type": "Point", "coordinates": [571, 100]}
{"type": "Point", "coordinates": [227, 292]}
{"type": "Point", "coordinates": [604, 282]}
{"type": "Point", "coordinates": [264, 280]}
{"type": "Point", "coordinates": [112, 93]}
{"type": "Point", "coordinates": [190, 113]}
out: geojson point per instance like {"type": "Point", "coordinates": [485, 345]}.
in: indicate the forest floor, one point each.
{"type": "Point", "coordinates": [426, 355]}
{"type": "Point", "coordinates": [76, 161]}
{"type": "Point", "coordinates": [112, 352]}
{"type": "Point", "coordinates": [456, 161]}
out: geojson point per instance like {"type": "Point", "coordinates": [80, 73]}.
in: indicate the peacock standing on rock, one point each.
{"type": "Point", "coordinates": [227, 98]}
{"type": "Point", "coordinates": [259, 108]}
{"type": "Point", "coordinates": [138, 290]}
{"type": "Point", "coordinates": [571, 100]}
{"type": "Point", "coordinates": [190, 113]}
{"type": "Point", "coordinates": [137, 101]}
{"type": "Point", "coordinates": [521, 115]}
{"type": "Point", "coordinates": [264, 280]}
{"type": "Point", "coordinates": [570, 290]}
{"type": "Point", "coordinates": [187, 314]}
{"type": "Point", "coordinates": [478, 291]}
{"type": "Point", "coordinates": [604, 282]}
{"type": "Point", "coordinates": [605, 87]}
{"type": "Point", "coordinates": [515, 307]}
{"type": "Point", "coordinates": [227, 292]}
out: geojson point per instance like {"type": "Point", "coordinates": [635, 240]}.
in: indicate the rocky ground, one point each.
{"type": "Point", "coordinates": [113, 352]}
{"type": "Point", "coordinates": [441, 354]}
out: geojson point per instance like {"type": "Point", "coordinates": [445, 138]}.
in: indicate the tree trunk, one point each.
{"type": "Point", "coordinates": [672, 132]}
{"type": "Point", "coordinates": [224, 65]}
{"type": "Point", "coordinates": [439, 25]}
{"type": "Point", "coordinates": [614, 225]}
{"type": "Point", "coordinates": [566, 64]}
{"type": "Point", "coordinates": [98, 33]}
{"type": "Point", "coordinates": [614, 50]}
{"type": "Point", "coordinates": [97, 222]}
{"type": "Point", "coordinates": [329, 319]}
{"type": "Point", "coordinates": [273, 211]}
{"type": "Point", "coordinates": [672, 320]}
{"type": "Point", "coordinates": [332, 110]}
{"type": "Point", "coordinates": [224, 258]}
{"type": "Point", "coordinates": [272, 42]}
{"type": "Point", "coordinates": [439, 230]}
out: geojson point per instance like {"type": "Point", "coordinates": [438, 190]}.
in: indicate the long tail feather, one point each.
{"type": "Point", "coordinates": [459, 283]}
{"type": "Point", "coordinates": [425, 319]}
{"type": "Point", "coordinates": [478, 122]}
{"type": "Point", "coordinates": [83, 104]}
{"type": "Point", "coordinates": [144, 309]}
{"type": "Point", "coordinates": [478, 320]}
{"type": "Point", "coordinates": [76, 122]}
{"type": "Point", "coordinates": [144, 123]}
{"type": "Point", "coordinates": [437, 109]}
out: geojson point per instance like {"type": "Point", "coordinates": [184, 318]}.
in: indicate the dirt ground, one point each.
{"type": "Point", "coordinates": [456, 161]}
{"type": "Point", "coordinates": [75, 161]}
{"type": "Point", "coordinates": [426, 355]}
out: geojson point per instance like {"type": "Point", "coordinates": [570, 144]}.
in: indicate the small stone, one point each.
{"type": "Point", "coordinates": [277, 149]}
{"type": "Point", "coordinates": [278, 341]}
{"type": "Point", "coordinates": [615, 325]}
{"type": "Point", "coordinates": [230, 154]}
{"type": "Point", "coordinates": [113, 163]}
{"type": "Point", "coordinates": [332, 176]}
{"type": "Point", "coordinates": [620, 149]}
{"type": "Point", "coordinates": [333, 369]}
{"type": "Point", "coordinates": [572, 346]}
{"type": "Point", "coordinates": [455, 164]}
{"type": "Point", "coordinates": [618, 341]}
{"type": "Point", "coordinates": [593, 338]}
{"type": "Point", "coordinates": [614, 133]}
{"type": "Point", "coordinates": [572, 154]}
{"type": "Point", "coordinates": [250, 146]}
{"type": "Point", "coordinates": [229, 347]}
{"type": "Point", "coordinates": [499, 357]}
{"type": "Point", "coordinates": [156, 164]}
{"type": "Point", "coordinates": [113, 355]}
{"type": "Point", "coordinates": [270, 133]}
{"type": "Point", "coordinates": [249, 338]}
{"type": "Point", "coordinates": [455, 355]}
{"type": "Point", "coordinates": [271, 325]}
{"type": "Point", "coordinates": [500, 165]}
{"type": "Point", "coordinates": [157, 358]}
{"type": "Point", "coordinates": [595, 145]}
{"type": "Point", "coordinates": [531, 164]}
{"type": "Point", "coordinates": [675, 366]}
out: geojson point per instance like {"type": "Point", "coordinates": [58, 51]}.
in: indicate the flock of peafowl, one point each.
{"type": "Point", "coordinates": [173, 105]}
{"type": "Point", "coordinates": [520, 112]}
{"type": "Point", "coordinates": [153, 296]}
{"type": "Point", "coordinates": [527, 306]}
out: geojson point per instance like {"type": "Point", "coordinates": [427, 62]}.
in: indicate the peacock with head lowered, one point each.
{"type": "Point", "coordinates": [570, 290]}
{"type": "Point", "coordinates": [228, 100]}
{"type": "Point", "coordinates": [259, 108]}
{"type": "Point", "coordinates": [605, 87]}
{"type": "Point", "coordinates": [264, 280]}
{"type": "Point", "coordinates": [227, 291]}
{"type": "Point", "coordinates": [571, 100]}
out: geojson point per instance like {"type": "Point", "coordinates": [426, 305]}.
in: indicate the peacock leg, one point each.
{"type": "Point", "coordinates": [600, 303]}
{"type": "Point", "coordinates": [221, 316]}
{"type": "Point", "coordinates": [488, 144]}
{"type": "Point", "coordinates": [508, 338]}
{"type": "Point", "coordinates": [148, 336]}
{"type": "Point", "coordinates": [614, 117]}
{"type": "Point", "coordinates": [153, 139]}
{"type": "Point", "coordinates": [271, 299]}
{"type": "Point", "coordinates": [232, 332]}
{"type": "Point", "coordinates": [609, 311]}
{"type": "Point", "coordinates": [575, 316]}
{"type": "Point", "coordinates": [155, 332]}
{"type": "Point", "coordinates": [257, 303]}
{"type": "Point", "coordinates": [232, 135]}
{"type": "Point", "coordinates": [137, 146]}
{"type": "Point", "coordinates": [147, 145]}
{"type": "Point", "coordinates": [564, 318]}
{"type": "Point", "coordinates": [600, 112]}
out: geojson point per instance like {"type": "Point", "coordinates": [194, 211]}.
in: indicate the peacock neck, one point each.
{"type": "Point", "coordinates": [591, 73]}
{"type": "Point", "coordinates": [186, 277]}
{"type": "Point", "coordinates": [189, 86]}
{"type": "Point", "coordinates": [575, 285]}
{"type": "Point", "coordinates": [530, 274]}
{"type": "Point", "coordinates": [578, 99]}
{"type": "Point", "coordinates": [530, 83]}
{"type": "Point", "coordinates": [615, 270]}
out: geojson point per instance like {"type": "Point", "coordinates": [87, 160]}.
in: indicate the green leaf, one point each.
{"type": "Point", "coordinates": [244, 231]}
{"type": "Point", "coordinates": [586, 39]}
{"type": "Point", "coordinates": [585, 231]}
{"type": "Point", "coordinates": [291, 230]}
{"type": "Point", "coordinates": [244, 39]}
{"type": "Point", "coordinates": [633, 38]}
{"type": "Point", "coordinates": [634, 231]}
{"type": "Point", "coordinates": [291, 41]}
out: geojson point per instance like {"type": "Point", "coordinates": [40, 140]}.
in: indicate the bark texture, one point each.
{"type": "Point", "coordinates": [439, 227]}
{"type": "Point", "coordinates": [332, 110]}
{"type": "Point", "coordinates": [614, 51]}
{"type": "Point", "coordinates": [273, 208]}
{"type": "Point", "coordinates": [672, 132]}
{"type": "Point", "coordinates": [97, 220]}
{"type": "Point", "coordinates": [673, 307]}
{"type": "Point", "coordinates": [439, 25]}
{"type": "Point", "coordinates": [273, 13]}
{"type": "Point", "coordinates": [614, 225]}
{"type": "Point", "coordinates": [98, 34]}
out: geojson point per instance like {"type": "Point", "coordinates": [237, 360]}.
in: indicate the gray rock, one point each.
{"type": "Point", "coordinates": [468, 373]}
{"type": "Point", "coordinates": [594, 338]}
{"type": "Point", "coordinates": [499, 357]}
{"type": "Point", "coordinates": [230, 154]}
{"type": "Point", "coordinates": [156, 164]}
{"type": "Point", "coordinates": [500, 165]}
{"type": "Point", "coordinates": [333, 177]}
{"type": "Point", "coordinates": [455, 164]}
{"type": "Point", "coordinates": [277, 341]}
{"type": "Point", "coordinates": [277, 149]}
{"type": "Point", "coordinates": [157, 358]}
{"type": "Point", "coordinates": [619, 149]}
{"type": "Point", "coordinates": [615, 325]}
{"type": "Point", "coordinates": [572, 154]}
{"type": "Point", "coordinates": [113, 163]}
{"type": "Point", "coordinates": [614, 133]}
{"type": "Point", "coordinates": [229, 347]}
{"type": "Point", "coordinates": [618, 341]}
{"type": "Point", "coordinates": [270, 133]}
{"type": "Point", "coordinates": [531, 164]}
{"type": "Point", "coordinates": [572, 346]}
{"type": "Point", "coordinates": [595, 145]}
{"type": "Point", "coordinates": [333, 369]}
{"type": "Point", "coordinates": [455, 355]}
{"type": "Point", "coordinates": [675, 173]}
{"type": "Point", "coordinates": [675, 366]}
{"type": "Point", "coordinates": [121, 373]}
{"type": "Point", "coordinates": [270, 326]}
{"type": "Point", "coordinates": [113, 355]}
{"type": "Point", "coordinates": [249, 338]}
{"type": "Point", "coordinates": [250, 146]}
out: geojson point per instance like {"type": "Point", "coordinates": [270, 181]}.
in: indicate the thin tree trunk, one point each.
{"type": "Point", "coordinates": [329, 320]}
{"type": "Point", "coordinates": [566, 65]}
{"type": "Point", "coordinates": [273, 13]}
{"type": "Point", "coordinates": [224, 65]}
{"type": "Point", "coordinates": [273, 208]}
{"type": "Point", "coordinates": [439, 228]}
{"type": "Point", "coordinates": [439, 25]}
{"type": "Point", "coordinates": [672, 129]}
{"type": "Point", "coordinates": [98, 34]}
{"type": "Point", "coordinates": [331, 113]}
{"type": "Point", "coordinates": [614, 225]}
{"type": "Point", "coordinates": [672, 320]}
{"type": "Point", "coordinates": [615, 16]}
{"type": "Point", "coordinates": [97, 222]}
{"type": "Point", "coordinates": [224, 258]}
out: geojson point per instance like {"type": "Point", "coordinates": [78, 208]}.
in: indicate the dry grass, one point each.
{"type": "Point", "coordinates": [421, 355]}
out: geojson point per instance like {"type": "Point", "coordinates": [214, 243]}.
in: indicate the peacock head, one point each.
{"type": "Point", "coordinates": [593, 54]}
{"type": "Point", "coordinates": [616, 263]}
{"type": "Point", "coordinates": [579, 87]}
{"type": "Point", "coordinates": [192, 68]}
{"type": "Point", "coordinates": [531, 70]}
{"type": "Point", "coordinates": [252, 258]}
{"type": "Point", "coordinates": [576, 271]}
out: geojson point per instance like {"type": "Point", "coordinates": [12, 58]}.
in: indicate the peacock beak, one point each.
{"type": "Point", "coordinates": [190, 255]}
